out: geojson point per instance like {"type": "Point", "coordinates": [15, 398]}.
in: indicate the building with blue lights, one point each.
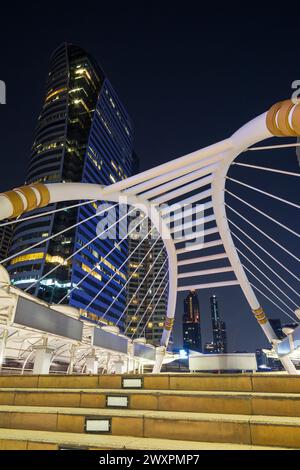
{"type": "Point", "coordinates": [191, 323]}
{"type": "Point", "coordinates": [84, 134]}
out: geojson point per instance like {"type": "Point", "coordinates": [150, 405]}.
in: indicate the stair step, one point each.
{"type": "Point", "coordinates": [15, 439]}
{"type": "Point", "coordinates": [245, 403]}
{"type": "Point", "coordinates": [202, 427]}
{"type": "Point", "coordinates": [276, 383]}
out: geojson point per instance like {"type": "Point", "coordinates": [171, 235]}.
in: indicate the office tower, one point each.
{"type": "Point", "coordinates": [191, 323]}
{"type": "Point", "coordinates": [6, 234]}
{"type": "Point", "coordinates": [83, 134]}
{"type": "Point", "coordinates": [146, 293]}
{"type": "Point", "coordinates": [219, 328]}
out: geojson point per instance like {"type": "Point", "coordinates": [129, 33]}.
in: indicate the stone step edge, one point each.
{"type": "Point", "coordinates": [114, 391]}
{"type": "Point", "coordinates": [109, 442]}
{"type": "Point", "coordinates": [150, 414]}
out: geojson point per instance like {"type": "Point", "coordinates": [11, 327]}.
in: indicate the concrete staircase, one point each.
{"type": "Point", "coordinates": [151, 412]}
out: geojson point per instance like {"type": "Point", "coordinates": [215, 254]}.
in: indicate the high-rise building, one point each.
{"type": "Point", "coordinates": [6, 233]}
{"type": "Point", "coordinates": [83, 134]}
{"type": "Point", "coordinates": [219, 328]}
{"type": "Point", "coordinates": [146, 292]}
{"type": "Point", "coordinates": [191, 323]}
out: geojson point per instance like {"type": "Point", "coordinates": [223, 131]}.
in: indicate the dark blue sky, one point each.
{"type": "Point", "coordinates": [188, 77]}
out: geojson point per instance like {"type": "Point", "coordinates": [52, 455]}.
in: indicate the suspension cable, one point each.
{"type": "Point", "coordinates": [261, 282]}
{"type": "Point", "coordinates": [263, 192]}
{"type": "Point", "coordinates": [263, 213]}
{"type": "Point", "coordinates": [262, 232]}
{"type": "Point", "coordinates": [271, 147]}
{"type": "Point", "coordinates": [145, 296]}
{"type": "Point", "coordinates": [264, 168]}
{"type": "Point", "coordinates": [272, 301]}
{"type": "Point", "coordinates": [150, 317]}
{"type": "Point", "coordinates": [149, 304]}
{"type": "Point", "coordinates": [263, 274]}
{"type": "Point", "coordinates": [131, 276]}
{"type": "Point", "coordinates": [265, 251]}
{"type": "Point", "coordinates": [110, 279]}
{"type": "Point", "coordinates": [43, 214]}
{"type": "Point", "coordinates": [263, 262]}
{"type": "Point", "coordinates": [41, 242]}
{"type": "Point", "coordinates": [79, 250]}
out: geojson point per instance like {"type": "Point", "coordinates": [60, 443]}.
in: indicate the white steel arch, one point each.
{"type": "Point", "coordinates": [195, 178]}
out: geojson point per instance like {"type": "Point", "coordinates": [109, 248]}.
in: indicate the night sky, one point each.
{"type": "Point", "coordinates": [188, 78]}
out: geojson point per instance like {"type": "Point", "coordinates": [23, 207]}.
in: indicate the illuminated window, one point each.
{"type": "Point", "coordinates": [113, 268]}
{"type": "Point", "coordinates": [30, 257]}
{"type": "Point", "coordinates": [112, 103]}
{"type": "Point", "coordinates": [76, 102]}
{"type": "Point", "coordinates": [87, 269]}
{"type": "Point", "coordinates": [54, 93]}
{"type": "Point", "coordinates": [56, 260]}
{"type": "Point", "coordinates": [133, 265]}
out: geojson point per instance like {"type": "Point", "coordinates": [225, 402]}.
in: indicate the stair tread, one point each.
{"type": "Point", "coordinates": [116, 391]}
{"type": "Point", "coordinates": [119, 442]}
{"type": "Point", "coordinates": [173, 415]}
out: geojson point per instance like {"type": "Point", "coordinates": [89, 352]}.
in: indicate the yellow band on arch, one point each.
{"type": "Point", "coordinates": [283, 119]}
{"type": "Point", "coordinates": [28, 192]}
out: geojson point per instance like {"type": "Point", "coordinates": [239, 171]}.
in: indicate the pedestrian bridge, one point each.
{"type": "Point", "coordinates": [190, 203]}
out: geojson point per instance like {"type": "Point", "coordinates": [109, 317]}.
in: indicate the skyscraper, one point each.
{"type": "Point", "coordinates": [83, 134]}
{"type": "Point", "coordinates": [219, 328]}
{"type": "Point", "coordinates": [146, 293]}
{"type": "Point", "coordinates": [191, 323]}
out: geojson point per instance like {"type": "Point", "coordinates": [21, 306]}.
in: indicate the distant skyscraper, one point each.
{"type": "Point", "coordinates": [191, 323]}
{"type": "Point", "coordinates": [83, 134]}
{"type": "Point", "coordinates": [219, 328]}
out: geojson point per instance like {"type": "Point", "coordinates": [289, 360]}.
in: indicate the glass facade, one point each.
{"type": "Point", "coordinates": [83, 134]}
{"type": "Point", "coordinates": [219, 328]}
